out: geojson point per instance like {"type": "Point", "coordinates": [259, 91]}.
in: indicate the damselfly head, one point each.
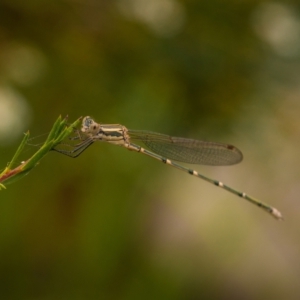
{"type": "Point", "coordinates": [89, 125]}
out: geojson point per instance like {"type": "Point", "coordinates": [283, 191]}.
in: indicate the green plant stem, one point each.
{"type": "Point", "coordinates": [58, 133]}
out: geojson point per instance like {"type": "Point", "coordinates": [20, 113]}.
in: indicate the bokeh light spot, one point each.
{"type": "Point", "coordinates": [14, 115]}
{"type": "Point", "coordinates": [164, 17]}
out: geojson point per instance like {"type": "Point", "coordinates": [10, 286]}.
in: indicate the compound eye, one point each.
{"type": "Point", "coordinates": [87, 121]}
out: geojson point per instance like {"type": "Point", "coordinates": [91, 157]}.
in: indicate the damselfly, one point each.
{"type": "Point", "coordinates": [165, 148]}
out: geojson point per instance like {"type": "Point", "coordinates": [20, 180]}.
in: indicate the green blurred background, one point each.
{"type": "Point", "coordinates": [113, 224]}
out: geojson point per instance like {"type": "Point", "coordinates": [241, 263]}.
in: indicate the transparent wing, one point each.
{"type": "Point", "coordinates": [188, 150]}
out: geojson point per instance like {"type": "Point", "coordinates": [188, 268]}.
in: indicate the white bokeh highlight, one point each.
{"type": "Point", "coordinates": [164, 17]}
{"type": "Point", "coordinates": [279, 26]}
{"type": "Point", "coordinates": [14, 115]}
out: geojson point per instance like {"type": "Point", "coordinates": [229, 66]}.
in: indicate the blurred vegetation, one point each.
{"type": "Point", "coordinates": [107, 225]}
